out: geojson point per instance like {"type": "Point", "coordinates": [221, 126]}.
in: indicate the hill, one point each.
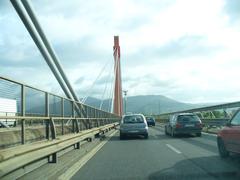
{"type": "Point", "coordinates": [147, 104]}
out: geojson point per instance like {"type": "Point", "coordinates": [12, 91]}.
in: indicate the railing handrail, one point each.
{"type": "Point", "coordinates": [49, 117]}
{"type": "Point", "coordinates": [43, 91]}
{"type": "Point", "coordinates": [206, 108]}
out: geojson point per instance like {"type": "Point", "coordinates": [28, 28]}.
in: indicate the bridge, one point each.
{"type": "Point", "coordinates": [52, 136]}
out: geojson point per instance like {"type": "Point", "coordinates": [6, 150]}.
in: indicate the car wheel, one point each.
{"type": "Point", "coordinates": [199, 134]}
{"type": "Point", "coordinates": [146, 136]}
{"type": "Point", "coordinates": [173, 133]}
{"type": "Point", "coordinates": [121, 136]}
{"type": "Point", "coordinates": [166, 133]}
{"type": "Point", "coordinates": [222, 149]}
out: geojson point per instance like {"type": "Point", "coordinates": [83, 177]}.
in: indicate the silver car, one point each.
{"type": "Point", "coordinates": [132, 125]}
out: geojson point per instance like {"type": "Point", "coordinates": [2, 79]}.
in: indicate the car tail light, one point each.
{"type": "Point", "coordinates": [178, 125]}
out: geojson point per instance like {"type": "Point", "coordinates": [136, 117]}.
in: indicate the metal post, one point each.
{"type": "Point", "coordinates": [47, 114]}
{"type": "Point", "coordinates": [77, 145]}
{"type": "Point", "coordinates": [23, 114]}
{"type": "Point", "coordinates": [73, 115]}
{"type": "Point", "coordinates": [53, 128]}
{"type": "Point", "coordinates": [62, 114]}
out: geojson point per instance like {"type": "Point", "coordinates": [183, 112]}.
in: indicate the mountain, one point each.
{"type": "Point", "coordinates": [147, 104]}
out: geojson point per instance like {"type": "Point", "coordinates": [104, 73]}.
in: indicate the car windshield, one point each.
{"type": "Point", "coordinates": [188, 118]}
{"type": "Point", "coordinates": [133, 119]}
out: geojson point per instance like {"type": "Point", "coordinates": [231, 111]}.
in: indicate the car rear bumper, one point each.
{"type": "Point", "coordinates": [187, 131]}
{"type": "Point", "coordinates": [133, 132]}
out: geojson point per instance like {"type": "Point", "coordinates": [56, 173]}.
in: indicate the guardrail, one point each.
{"type": "Point", "coordinates": [15, 158]}
{"type": "Point", "coordinates": [218, 122]}
{"type": "Point", "coordinates": [207, 122]}
{"type": "Point", "coordinates": [51, 123]}
{"type": "Point", "coordinates": [216, 115]}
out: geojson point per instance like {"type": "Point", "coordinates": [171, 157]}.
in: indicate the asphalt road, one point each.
{"type": "Point", "coordinates": [160, 157]}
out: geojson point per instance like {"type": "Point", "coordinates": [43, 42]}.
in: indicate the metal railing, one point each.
{"type": "Point", "coordinates": [38, 107]}
{"type": "Point", "coordinates": [216, 115]}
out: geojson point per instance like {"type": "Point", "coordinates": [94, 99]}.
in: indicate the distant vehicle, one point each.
{"type": "Point", "coordinates": [8, 107]}
{"type": "Point", "coordinates": [184, 123]}
{"type": "Point", "coordinates": [228, 139]}
{"type": "Point", "coordinates": [134, 124]}
{"type": "Point", "coordinates": [150, 121]}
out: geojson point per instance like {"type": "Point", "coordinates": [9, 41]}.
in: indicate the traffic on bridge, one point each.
{"type": "Point", "coordinates": [165, 104]}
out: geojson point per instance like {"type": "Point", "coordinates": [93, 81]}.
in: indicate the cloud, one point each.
{"type": "Point", "coordinates": [184, 49]}
{"type": "Point", "coordinates": [79, 80]}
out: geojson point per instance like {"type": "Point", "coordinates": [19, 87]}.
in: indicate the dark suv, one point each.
{"type": "Point", "coordinates": [228, 138]}
{"type": "Point", "coordinates": [150, 121]}
{"type": "Point", "coordinates": [184, 123]}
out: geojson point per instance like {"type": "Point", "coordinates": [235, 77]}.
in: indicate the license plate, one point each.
{"type": "Point", "coordinates": [133, 131]}
{"type": "Point", "coordinates": [189, 125]}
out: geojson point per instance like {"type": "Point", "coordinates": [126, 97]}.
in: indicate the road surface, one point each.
{"type": "Point", "coordinates": [160, 157]}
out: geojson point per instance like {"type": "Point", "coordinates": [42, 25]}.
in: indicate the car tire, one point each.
{"type": "Point", "coordinates": [146, 136]}
{"type": "Point", "coordinates": [121, 137]}
{"type": "Point", "coordinates": [173, 133]}
{"type": "Point", "coordinates": [199, 134]}
{"type": "Point", "coordinates": [166, 133]}
{"type": "Point", "coordinates": [222, 149]}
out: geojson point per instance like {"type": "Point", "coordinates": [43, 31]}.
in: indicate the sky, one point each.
{"type": "Point", "coordinates": [187, 50]}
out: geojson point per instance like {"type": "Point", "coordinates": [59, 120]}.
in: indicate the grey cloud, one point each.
{"type": "Point", "coordinates": [79, 80]}
{"type": "Point", "coordinates": [150, 80]}
{"type": "Point", "coordinates": [185, 46]}
{"type": "Point", "coordinates": [4, 6]}
{"type": "Point", "coordinates": [72, 53]}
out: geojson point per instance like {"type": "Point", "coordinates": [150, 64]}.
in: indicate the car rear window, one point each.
{"type": "Point", "coordinates": [188, 118]}
{"type": "Point", "coordinates": [133, 119]}
{"type": "Point", "coordinates": [149, 119]}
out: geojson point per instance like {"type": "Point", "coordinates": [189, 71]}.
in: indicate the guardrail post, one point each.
{"type": "Point", "coordinates": [52, 158]}
{"type": "Point", "coordinates": [77, 145]}
{"type": "Point", "coordinates": [53, 128]}
{"type": "Point", "coordinates": [23, 114]}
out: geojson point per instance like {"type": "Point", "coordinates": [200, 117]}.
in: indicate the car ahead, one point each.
{"type": "Point", "coordinates": [184, 123]}
{"type": "Point", "coordinates": [150, 121]}
{"type": "Point", "coordinates": [132, 125]}
{"type": "Point", "coordinates": [228, 139]}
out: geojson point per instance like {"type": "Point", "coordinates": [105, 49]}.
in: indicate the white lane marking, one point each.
{"type": "Point", "coordinates": [78, 165]}
{"type": "Point", "coordinates": [173, 148]}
